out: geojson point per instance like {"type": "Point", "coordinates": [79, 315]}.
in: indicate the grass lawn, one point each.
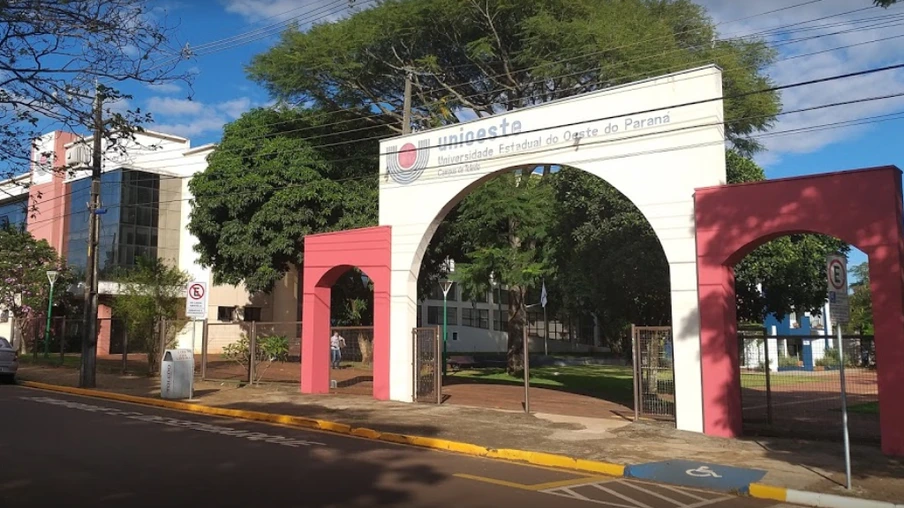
{"type": "Point", "coordinates": [867, 408]}
{"type": "Point", "coordinates": [758, 381]}
{"type": "Point", "coordinates": [611, 382]}
{"type": "Point", "coordinates": [112, 366]}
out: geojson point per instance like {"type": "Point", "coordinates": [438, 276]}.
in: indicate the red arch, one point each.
{"type": "Point", "coordinates": [861, 207]}
{"type": "Point", "coordinates": [326, 257]}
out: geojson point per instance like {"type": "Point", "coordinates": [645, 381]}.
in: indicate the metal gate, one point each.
{"type": "Point", "coordinates": [427, 371]}
{"type": "Point", "coordinates": [654, 375]}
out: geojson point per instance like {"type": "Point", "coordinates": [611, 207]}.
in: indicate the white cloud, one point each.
{"type": "Point", "coordinates": [811, 35]}
{"type": "Point", "coordinates": [235, 107]}
{"type": "Point", "coordinates": [273, 11]}
{"type": "Point", "coordinates": [165, 87]}
{"type": "Point", "coordinates": [191, 118]}
{"type": "Point", "coordinates": [168, 106]}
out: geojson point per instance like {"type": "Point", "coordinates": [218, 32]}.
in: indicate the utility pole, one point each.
{"type": "Point", "coordinates": [88, 371]}
{"type": "Point", "coordinates": [406, 114]}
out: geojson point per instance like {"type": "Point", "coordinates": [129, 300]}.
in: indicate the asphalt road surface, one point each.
{"type": "Point", "coordinates": [58, 450]}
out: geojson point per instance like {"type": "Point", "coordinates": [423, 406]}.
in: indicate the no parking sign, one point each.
{"type": "Point", "coordinates": [196, 300]}
{"type": "Point", "coordinates": [839, 306]}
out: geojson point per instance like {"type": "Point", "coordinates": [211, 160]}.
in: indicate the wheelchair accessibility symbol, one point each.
{"type": "Point", "coordinates": [702, 472]}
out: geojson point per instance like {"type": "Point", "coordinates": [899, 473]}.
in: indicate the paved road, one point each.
{"type": "Point", "coordinates": [59, 449]}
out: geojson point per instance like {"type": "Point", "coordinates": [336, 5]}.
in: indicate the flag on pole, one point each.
{"type": "Point", "coordinates": [543, 295]}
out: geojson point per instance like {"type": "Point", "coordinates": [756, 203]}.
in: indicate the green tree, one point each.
{"type": "Point", "coordinates": [507, 224]}
{"type": "Point", "coordinates": [24, 287]}
{"type": "Point", "coordinates": [502, 55]}
{"type": "Point", "coordinates": [269, 183]}
{"type": "Point", "coordinates": [861, 301]}
{"type": "Point", "coordinates": [151, 294]}
{"type": "Point", "coordinates": [609, 263]}
{"type": "Point", "coordinates": [51, 54]}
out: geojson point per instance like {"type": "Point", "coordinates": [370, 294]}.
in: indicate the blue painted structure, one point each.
{"type": "Point", "coordinates": [702, 475]}
{"type": "Point", "coordinates": [783, 329]}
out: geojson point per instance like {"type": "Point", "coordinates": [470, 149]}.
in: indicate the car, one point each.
{"type": "Point", "coordinates": [9, 361]}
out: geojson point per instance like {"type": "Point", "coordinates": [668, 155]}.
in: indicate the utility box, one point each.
{"type": "Point", "coordinates": [177, 374]}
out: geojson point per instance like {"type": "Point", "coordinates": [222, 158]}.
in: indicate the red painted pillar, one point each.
{"type": "Point", "coordinates": [381, 338]}
{"type": "Point", "coordinates": [719, 350]}
{"type": "Point", "coordinates": [315, 338]}
{"type": "Point", "coordinates": [887, 291]}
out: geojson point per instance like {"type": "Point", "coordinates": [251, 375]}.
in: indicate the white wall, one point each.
{"type": "Point", "coordinates": [656, 159]}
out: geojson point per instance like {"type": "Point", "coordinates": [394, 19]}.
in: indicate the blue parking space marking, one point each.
{"type": "Point", "coordinates": [697, 474]}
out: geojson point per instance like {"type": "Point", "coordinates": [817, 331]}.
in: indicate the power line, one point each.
{"type": "Point", "coordinates": [371, 127]}
{"type": "Point", "coordinates": [427, 181]}
{"type": "Point", "coordinates": [627, 114]}
{"type": "Point", "coordinates": [611, 48]}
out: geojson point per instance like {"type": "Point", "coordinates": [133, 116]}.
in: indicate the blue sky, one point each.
{"type": "Point", "coordinates": [222, 91]}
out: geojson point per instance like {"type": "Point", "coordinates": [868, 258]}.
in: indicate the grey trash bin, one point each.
{"type": "Point", "coordinates": [177, 374]}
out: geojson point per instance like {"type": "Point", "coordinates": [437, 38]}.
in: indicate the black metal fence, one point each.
{"type": "Point", "coordinates": [654, 375]}
{"type": "Point", "coordinates": [427, 368]}
{"type": "Point", "coordinates": [791, 385]}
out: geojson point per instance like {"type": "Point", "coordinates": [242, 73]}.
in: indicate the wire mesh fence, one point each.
{"type": "Point", "coordinates": [276, 346]}
{"type": "Point", "coordinates": [353, 362]}
{"type": "Point", "coordinates": [61, 343]}
{"type": "Point", "coordinates": [791, 385]}
{"type": "Point", "coordinates": [654, 377]}
{"type": "Point", "coordinates": [427, 368]}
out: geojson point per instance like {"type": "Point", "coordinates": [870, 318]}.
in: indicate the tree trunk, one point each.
{"type": "Point", "coordinates": [516, 328]}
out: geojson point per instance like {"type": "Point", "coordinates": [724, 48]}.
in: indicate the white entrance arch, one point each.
{"type": "Point", "coordinates": [655, 141]}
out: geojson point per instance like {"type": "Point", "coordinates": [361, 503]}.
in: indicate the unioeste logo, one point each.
{"type": "Point", "coordinates": [407, 164]}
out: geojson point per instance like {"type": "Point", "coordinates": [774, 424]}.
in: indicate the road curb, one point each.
{"type": "Point", "coordinates": [818, 500]}
{"type": "Point", "coordinates": [755, 490]}
{"type": "Point", "coordinates": [535, 458]}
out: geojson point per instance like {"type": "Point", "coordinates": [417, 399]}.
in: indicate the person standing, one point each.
{"type": "Point", "coordinates": [337, 342]}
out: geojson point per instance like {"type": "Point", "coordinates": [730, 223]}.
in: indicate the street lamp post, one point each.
{"type": "Point", "coordinates": [445, 285]}
{"type": "Point", "coordinates": [52, 277]}
{"type": "Point", "coordinates": [498, 297]}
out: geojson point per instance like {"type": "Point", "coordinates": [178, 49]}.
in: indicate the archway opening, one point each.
{"type": "Point", "coordinates": [352, 333]}
{"type": "Point", "coordinates": [562, 257]}
{"type": "Point", "coordinates": [790, 357]}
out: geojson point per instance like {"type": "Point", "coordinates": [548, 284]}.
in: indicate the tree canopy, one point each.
{"type": "Point", "coordinates": [861, 301]}
{"type": "Point", "coordinates": [51, 55]}
{"type": "Point", "coordinates": [480, 58]}
{"type": "Point", "coordinates": [502, 55]}
{"type": "Point", "coordinates": [151, 295]}
{"type": "Point", "coordinates": [24, 286]}
{"type": "Point", "coordinates": [269, 183]}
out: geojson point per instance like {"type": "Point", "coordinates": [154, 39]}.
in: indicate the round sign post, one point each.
{"type": "Point", "coordinates": [837, 274]}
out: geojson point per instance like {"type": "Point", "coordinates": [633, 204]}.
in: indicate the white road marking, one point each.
{"type": "Point", "coordinates": [571, 494]}
{"type": "Point", "coordinates": [575, 495]}
{"type": "Point", "coordinates": [711, 501]}
{"type": "Point", "coordinates": [685, 493]}
{"type": "Point", "coordinates": [622, 497]}
{"type": "Point", "coordinates": [654, 494]}
{"type": "Point", "coordinates": [174, 422]}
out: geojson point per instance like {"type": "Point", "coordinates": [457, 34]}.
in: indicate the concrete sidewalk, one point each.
{"type": "Point", "coordinates": [792, 464]}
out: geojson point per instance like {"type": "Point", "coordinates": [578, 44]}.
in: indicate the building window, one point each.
{"type": "Point", "coordinates": [14, 212]}
{"type": "Point", "coordinates": [500, 321]}
{"type": "Point", "coordinates": [252, 314]}
{"type": "Point", "coordinates": [435, 315]}
{"type": "Point", "coordinates": [501, 296]}
{"type": "Point", "coordinates": [225, 313]}
{"type": "Point", "coordinates": [476, 318]}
